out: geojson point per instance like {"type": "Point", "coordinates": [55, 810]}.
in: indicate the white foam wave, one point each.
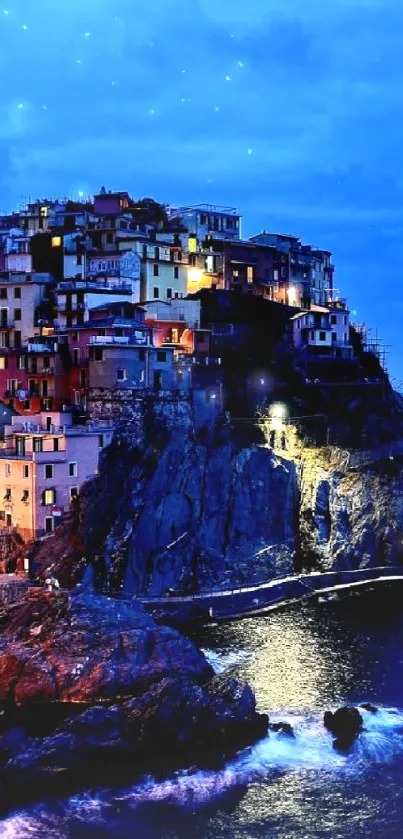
{"type": "Point", "coordinates": [223, 660]}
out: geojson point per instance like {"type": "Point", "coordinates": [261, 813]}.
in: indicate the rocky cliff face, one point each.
{"type": "Point", "coordinates": [193, 516]}
{"type": "Point", "coordinates": [90, 685]}
{"type": "Point", "coordinates": [351, 508]}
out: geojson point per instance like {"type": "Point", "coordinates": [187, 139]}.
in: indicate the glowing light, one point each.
{"type": "Point", "coordinates": [240, 64]}
{"type": "Point", "coordinates": [20, 106]}
{"type": "Point", "coordinates": [250, 151]}
{"type": "Point", "coordinates": [24, 27]}
{"type": "Point", "coordinates": [217, 108]}
{"type": "Point", "coordinates": [6, 11]}
{"type": "Point", "coordinates": [292, 295]}
{"type": "Point", "coordinates": [262, 381]}
{"type": "Point", "coordinates": [195, 275]}
{"type": "Point", "coordinates": [79, 61]}
{"type": "Point", "coordinates": [228, 78]}
{"type": "Point", "coordinates": [44, 107]}
{"type": "Point", "coordinates": [80, 193]}
{"type": "Point", "coordinates": [152, 112]}
{"type": "Point", "coordinates": [278, 411]}
{"type": "Point", "coordinates": [87, 34]}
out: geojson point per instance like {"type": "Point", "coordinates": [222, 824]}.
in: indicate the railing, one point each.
{"type": "Point", "coordinates": [88, 285]}
{"type": "Point", "coordinates": [116, 339]}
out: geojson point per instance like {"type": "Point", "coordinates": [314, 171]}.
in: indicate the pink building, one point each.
{"type": "Point", "coordinates": [43, 466]}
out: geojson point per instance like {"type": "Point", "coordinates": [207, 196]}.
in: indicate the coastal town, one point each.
{"type": "Point", "coordinates": [106, 299]}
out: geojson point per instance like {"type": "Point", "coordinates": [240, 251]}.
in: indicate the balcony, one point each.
{"type": "Point", "coordinates": [93, 285]}
{"type": "Point", "coordinates": [119, 340]}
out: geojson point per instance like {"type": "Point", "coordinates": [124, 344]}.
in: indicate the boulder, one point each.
{"type": "Point", "coordinates": [368, 707]}
{"type": "Point", "coordinates": [345, 724]}
{"type": "Point", "coordinates": [282, 728]}
{"type": "Point", "coordinates": [93, 686]}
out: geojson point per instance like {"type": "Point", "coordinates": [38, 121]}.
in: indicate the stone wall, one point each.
{"type": "Point", "coordinates": [136, 413]}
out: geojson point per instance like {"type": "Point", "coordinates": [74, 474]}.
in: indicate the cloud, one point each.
{"type": "Point", "coordinates": [314, 91]}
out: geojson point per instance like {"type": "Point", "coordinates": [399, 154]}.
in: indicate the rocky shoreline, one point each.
{"type": "Point", "coordinates": [90, 686]}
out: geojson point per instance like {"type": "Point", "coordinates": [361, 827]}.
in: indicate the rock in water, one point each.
{"type": "Point", "coordinates": [282, 728]}
{"type": "Point", "coordinates": [96, 683]}
{"type": "Point", "coordinates": [345, 723]}
{"type": "Point", "coordinates": [371, 708]}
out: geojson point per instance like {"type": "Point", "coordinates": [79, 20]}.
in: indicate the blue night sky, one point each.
{"type": "Point", "coordinates": [290, 110]}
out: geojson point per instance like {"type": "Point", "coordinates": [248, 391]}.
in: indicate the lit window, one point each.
{"type": "Point", "coordinates": [44, 212]}
{"type": "Point", "coordinates": [49, 497]}
{"type": "Point", "coordinates": [3, 364]}
{"type": "Point", "coordinates": [56, 241]}
{"type": "Point", "coordinates": [250, 274]}
{"type": "Point", "coordinates": [192, 244]}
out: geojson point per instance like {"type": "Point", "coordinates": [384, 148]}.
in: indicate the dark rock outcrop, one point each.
{"type": "Point", "coordinates": [88, 683]}
{"type": "Point", "coordinates": [282, 728]}
{"type": "Point", "coordinates": [345, 724]}
{"type": "Point", "coordinates": [372, 709]}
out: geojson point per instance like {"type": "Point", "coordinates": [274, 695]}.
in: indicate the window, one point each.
{"type": "Point", "coordinates": [79, 259]}
{"type": "Point", "coordinates": [169, 293]}
{"type": "Point", "coordinates": [73, 470]}
{"type": "Point", "coordinates": [322, 336]}
{"type": "Point", "coordinates": [235, 273]}
{"type": "Point", "coordinates": [48, 471]}
{"type": "Point", "coordinates": [82, 379]}
{"type": "Point", "coordinates": [333, 319]}
{"type": "Point", "coordinates": [38, 444]}
{"type": "Point", "coordinates": [74, 336]}
{"type": "Point", "coordinates": [56, 444]}
{"type": "Point", "coordinates": [156, 270]}
{"type": "Point", "coordinates": [3, 294]}
{"type": "Point", "coordinates": [109, 238]}
{"type": "Point", "coordinates": [142, 355]}
{"type": "Point", "coordinates": [7, 496]}
{"type": "Point", "coordinates": [98, 354]}
{"type": "Point", "coordinates": [250, 273]}
{"type": "Point", "coordinates": [275, 275]}
{"type": "Point", "coordinates": [345, 320]}
{"type": "Point", "coordinates": [8, 470]}
{"type": "Point", "coordinates": [121, 375]}
{"type": "Point", "coordinates": [174, 335]}
{"type": "Point", "coordinates": [25, 471]}
{"type": "Point", "coordinates": [284, 272]}
{"type": "Point", "coordinates": [76, 356]}
{"type": "Point", "coordinates": [25, 496]}
{"type": "Point", "coordinates": [56, 241]}
{"type": "Point", "coordinates": [101, 441]}
{"type": "Point", "coordinates": [161, 355]}
{"type": "Point", "coordinates": [17, 293]}
{"type": "Point", "coordinates": [156, 292]}
{"type": "Point", "coordinates": [21, 362]}
{"type": "Point", "coordinates": [176, 272]}
{"type": "Point", "coordinates": [73, 493]}
{"type": "Point", "coordinates": [48, 497]}
{"type": "Point", "coordinates": [3, 362]}
{"type": "Point", "coordinates": [27, 404]}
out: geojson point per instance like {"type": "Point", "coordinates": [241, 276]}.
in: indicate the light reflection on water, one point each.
{"type": "Point", "coordinates": [299, 661]}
